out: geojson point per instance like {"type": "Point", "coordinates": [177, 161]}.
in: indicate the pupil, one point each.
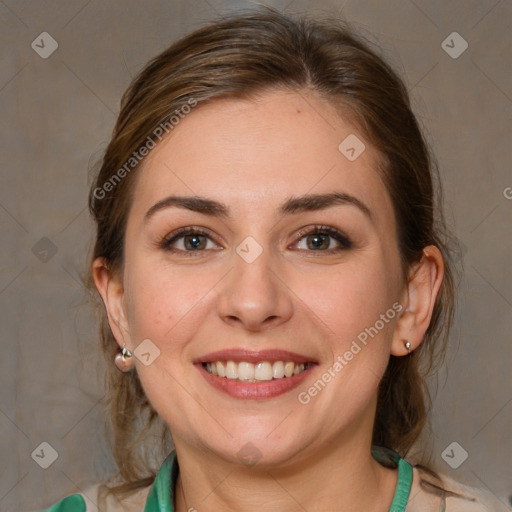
{"type": "Point", "coordinates": [318, 240]}
{"type": "Point", "coordinates": [194, 241]}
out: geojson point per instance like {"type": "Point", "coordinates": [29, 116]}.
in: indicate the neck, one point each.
{"type": "Point", "coordinates": [343, 476]}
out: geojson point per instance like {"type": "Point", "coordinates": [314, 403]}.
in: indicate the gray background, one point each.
{"type": "Point", "coordinates": [57, 116]}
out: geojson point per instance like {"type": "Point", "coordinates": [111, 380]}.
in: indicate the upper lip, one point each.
{"type": "Point", "coordinates": [254, 356]}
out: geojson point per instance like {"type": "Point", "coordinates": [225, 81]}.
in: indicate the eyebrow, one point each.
{"type": "Point", "coordinates": [293, 205]}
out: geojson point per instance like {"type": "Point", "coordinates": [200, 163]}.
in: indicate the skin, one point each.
{"type": "Point", "coordinates": [253, 156]}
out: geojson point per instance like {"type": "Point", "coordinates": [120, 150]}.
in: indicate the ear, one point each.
{"type": "Point", "coordinates": [110, 287]}
{"type": "Point", "coordinates": [424, 281]}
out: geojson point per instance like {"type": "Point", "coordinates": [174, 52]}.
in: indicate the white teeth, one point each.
{"type": "Point", "coordinates": [299, 368]}
{"type": "Point", "coordinates": [249, 372]}
{"type": "Point", "coordinates": [220, 369]}
{"type": "Point", "coordinates": [278, 370]}
{"type": "Point", "coordinates": [263, 371]}
{"type": "Point", "coordinates": [231, 370]}
{"type": "Point", "coordinates": [288, 369]}
{"type": "Point", "coordinates": [245, 371]}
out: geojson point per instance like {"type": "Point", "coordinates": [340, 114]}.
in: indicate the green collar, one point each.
{"type": "Point", "coordinates": [161, 495]}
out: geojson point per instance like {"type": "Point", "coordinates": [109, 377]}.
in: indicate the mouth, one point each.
{"type": "Point", "coordinates": [255, 375]}
{"type": "Point", "coordinates": [263, 371]}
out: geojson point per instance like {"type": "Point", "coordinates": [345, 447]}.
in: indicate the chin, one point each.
{"type": "Point", "coordinates": [258, 446]}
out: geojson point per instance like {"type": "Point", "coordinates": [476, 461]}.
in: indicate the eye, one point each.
{"type": "Point", "coordinates": [189, 240]}
{"type": "Point", "coordinates": [316, 239]}
{"type": "Point", "coordinates": [323, 239]}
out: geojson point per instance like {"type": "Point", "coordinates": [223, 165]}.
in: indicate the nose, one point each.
{"type": "Point", "coordinates": [255, 295]}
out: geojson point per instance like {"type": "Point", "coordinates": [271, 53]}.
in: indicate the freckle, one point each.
{"type": "Point", "coordinates": [298, 111]}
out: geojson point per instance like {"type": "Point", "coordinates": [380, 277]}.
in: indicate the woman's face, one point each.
{"type": "Point", "coordinates": [290, 256]}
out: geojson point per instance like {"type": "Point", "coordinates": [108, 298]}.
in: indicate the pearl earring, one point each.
{"type": "Point", "coordinates": [123, 360]}
{"type": "Point", "coordinates": [408, 347]}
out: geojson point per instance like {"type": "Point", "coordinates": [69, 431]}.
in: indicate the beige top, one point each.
{"type": "Point", "coordinates": [420, 499]}
{"type": "Point", "coordinates": [416, 491]}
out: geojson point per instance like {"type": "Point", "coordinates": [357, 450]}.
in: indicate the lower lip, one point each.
{"type": "Point", "coordinates": [254, 390]}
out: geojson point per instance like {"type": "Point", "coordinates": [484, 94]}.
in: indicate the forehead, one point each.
{"type": "Point", "coordinates": [252, 153]}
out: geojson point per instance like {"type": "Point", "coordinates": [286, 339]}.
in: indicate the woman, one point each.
{"type": "Point", "coordinates": [275, 278]}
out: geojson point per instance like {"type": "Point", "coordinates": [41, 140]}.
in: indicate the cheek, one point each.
{"type": "Point", "coordinates": [150, 305]}
{"type": "Point", "coordinates": [352, 299]}
{"type": "Point", "coordinates": [161, 301]}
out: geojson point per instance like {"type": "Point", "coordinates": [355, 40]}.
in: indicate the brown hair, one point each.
{"type": "Point", "coordinates": [237, 57]}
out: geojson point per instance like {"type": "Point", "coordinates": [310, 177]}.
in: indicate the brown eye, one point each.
{"type": "Point", "coordinates": [318, 241]}
{"type": "Point", "coordinates": [193, 242]}
{"type": "Point", "coordinates": [324, 239]}
{"type": "Point", "coordinates": [187, 240]}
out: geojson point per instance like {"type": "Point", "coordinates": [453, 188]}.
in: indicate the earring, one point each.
{"type": "Point", "coordinates": [408, 347]}
{"type": "Point", "coordinates": [122, 360]}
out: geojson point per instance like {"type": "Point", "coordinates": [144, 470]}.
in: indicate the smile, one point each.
{"type": "Point", "coordinates": [255, 374]}
{"type": "Point", "coordinates": [245, 371]}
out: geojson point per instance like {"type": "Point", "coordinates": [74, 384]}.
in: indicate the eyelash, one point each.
{"type": "Point", "coordinates": [345, 243]}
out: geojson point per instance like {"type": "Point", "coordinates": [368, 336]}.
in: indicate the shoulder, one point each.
{"type": "Point", "coordinates": [449, 495]}
{"type": "Point", "coordinates": [95, 498]}
{"type": "Point", "coordinates": [73, 503]}
{"type": "Point", "coordinates": [472, 499]}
